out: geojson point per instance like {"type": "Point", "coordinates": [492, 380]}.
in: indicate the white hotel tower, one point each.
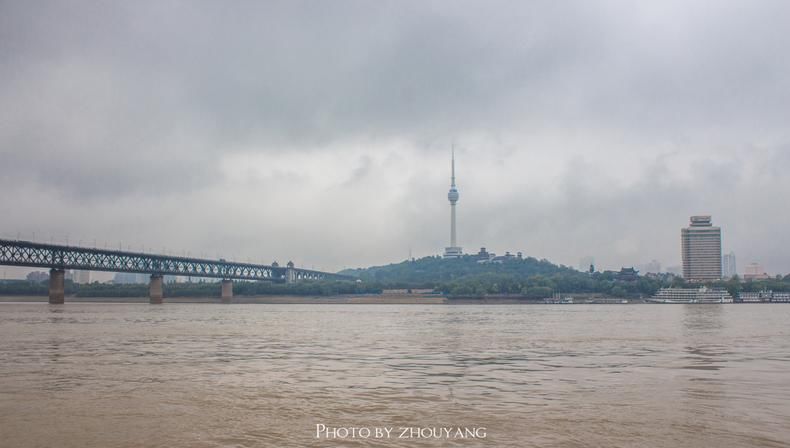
{"type": "Point", "coordinates": [453, 251]}
{"type": "Point", "coordinates": [701, 248]}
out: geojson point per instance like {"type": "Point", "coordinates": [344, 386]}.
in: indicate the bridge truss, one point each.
{"type": "Point", "coordinates": [26, 253]}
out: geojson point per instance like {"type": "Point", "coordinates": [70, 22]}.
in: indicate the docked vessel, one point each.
{"type": "Point", "coordinates": [702, 294]}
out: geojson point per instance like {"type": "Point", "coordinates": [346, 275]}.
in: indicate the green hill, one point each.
{"type": "Point", "coordinates": [430, 271]}
{"type": "Point", "coordinates": [528, 277]}
{"type": "Point", "coordinates": [532, 278]}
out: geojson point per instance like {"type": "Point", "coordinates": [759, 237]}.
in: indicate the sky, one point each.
{"type": "Point", "coordinates": [320, 132]}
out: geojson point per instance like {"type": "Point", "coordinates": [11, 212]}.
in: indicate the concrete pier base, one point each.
{"type": "Point", "coordinates": [57, 286]}
{"type": "Point", "coordinates": [290, 273]}
{"type": "Point", "coordinates": [227, 291]}
{"type": "Point", "coordinates": [155, 291]}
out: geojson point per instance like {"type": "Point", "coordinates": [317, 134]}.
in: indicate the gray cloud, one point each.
{"type": "Point", "coordinates": [319, 131]}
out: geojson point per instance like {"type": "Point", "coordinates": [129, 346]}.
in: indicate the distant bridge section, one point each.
{"type": "Point", "coordinates": [59, 258]}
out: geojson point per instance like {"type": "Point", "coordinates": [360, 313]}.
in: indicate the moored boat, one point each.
{"type": "Point", "coordinates": [702, 294]}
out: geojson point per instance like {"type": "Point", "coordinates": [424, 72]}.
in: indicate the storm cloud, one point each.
{"type": "Point", "coordinates": [320, 131]}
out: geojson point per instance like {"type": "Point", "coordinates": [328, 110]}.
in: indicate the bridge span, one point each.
{"type": "Point", "coordinates": [58, 258]}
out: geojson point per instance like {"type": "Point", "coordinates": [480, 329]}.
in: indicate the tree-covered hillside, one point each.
{"type": "Point", "coordinates": [531, 278]}
{"type": "Point", "coordinates": [528, 277]}
{"type": "Point", "coordinates": [429, 272]}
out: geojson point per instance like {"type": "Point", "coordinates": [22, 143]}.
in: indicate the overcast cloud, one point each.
{"type": "Point", "coordinates": [320, 131]}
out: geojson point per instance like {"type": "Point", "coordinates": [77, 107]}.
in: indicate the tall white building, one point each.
{"type": "Point", "coordinates": [701, 250]}
{"type": "Point", "coordinates": [453, 251]}
{"type": "Point", "coordinates": [728, 266]}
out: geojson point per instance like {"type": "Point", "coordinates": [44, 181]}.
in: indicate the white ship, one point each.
{"type": "Point", "coordinates": [691, 295]}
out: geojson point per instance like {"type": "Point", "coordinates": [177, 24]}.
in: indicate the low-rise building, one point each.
{"type": "Point", "coordinates": [489, 257]}
{"type": "Point", "coordinates": [628, 274]}
{"type": "Point", "coordinates": [755, 271]}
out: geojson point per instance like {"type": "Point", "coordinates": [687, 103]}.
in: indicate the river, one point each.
{"type": "Point", "coordinates": [211, 375]}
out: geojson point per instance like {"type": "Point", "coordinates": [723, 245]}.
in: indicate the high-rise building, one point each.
{"type": "Point", "coordinates": [453, 251]}
{"type": "Point", "coordinates": [728, 266]}
{"type": "Point", "coordinates": [701, 250]}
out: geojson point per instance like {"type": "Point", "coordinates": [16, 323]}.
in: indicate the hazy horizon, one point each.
{"type": "Point", "coordinates": [321, 132]}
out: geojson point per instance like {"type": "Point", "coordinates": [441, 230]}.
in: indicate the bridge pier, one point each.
{"type": "Point", "coordinates": [57, 286]}
{"type": "Point", "coordinates": [290, 273]}
{"type": "Point", "coordinates": [227, 290]}
{"type": "Point", "coordinates": [155, 290]}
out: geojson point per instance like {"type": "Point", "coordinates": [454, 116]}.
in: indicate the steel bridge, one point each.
{"type": "Point", "coordinates": [59, 258]}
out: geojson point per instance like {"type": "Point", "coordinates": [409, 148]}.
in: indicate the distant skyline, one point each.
{"type": "Point", "coordinates": [320, 132]}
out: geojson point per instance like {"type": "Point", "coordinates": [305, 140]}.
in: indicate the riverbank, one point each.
{"type": "Point", "coordinates": [369, 299]}
{"type": "Point", "coordinates": [389, 299]}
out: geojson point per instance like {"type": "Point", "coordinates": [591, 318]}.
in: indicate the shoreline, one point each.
{"type": "Point", "coordinates": [285, 300]}
{"type": "Point", "coordinates": [362, 299]}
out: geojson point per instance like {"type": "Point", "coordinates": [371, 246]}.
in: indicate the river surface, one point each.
{"type": "Point", "coordinates": [210, 375]}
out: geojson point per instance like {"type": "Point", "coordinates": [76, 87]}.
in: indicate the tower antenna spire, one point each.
{"type": "Point", "coordinates": [452, 166]}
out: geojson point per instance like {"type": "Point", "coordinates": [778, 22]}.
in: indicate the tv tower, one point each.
{"type": "Point", "coordinates": [453, 251]}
